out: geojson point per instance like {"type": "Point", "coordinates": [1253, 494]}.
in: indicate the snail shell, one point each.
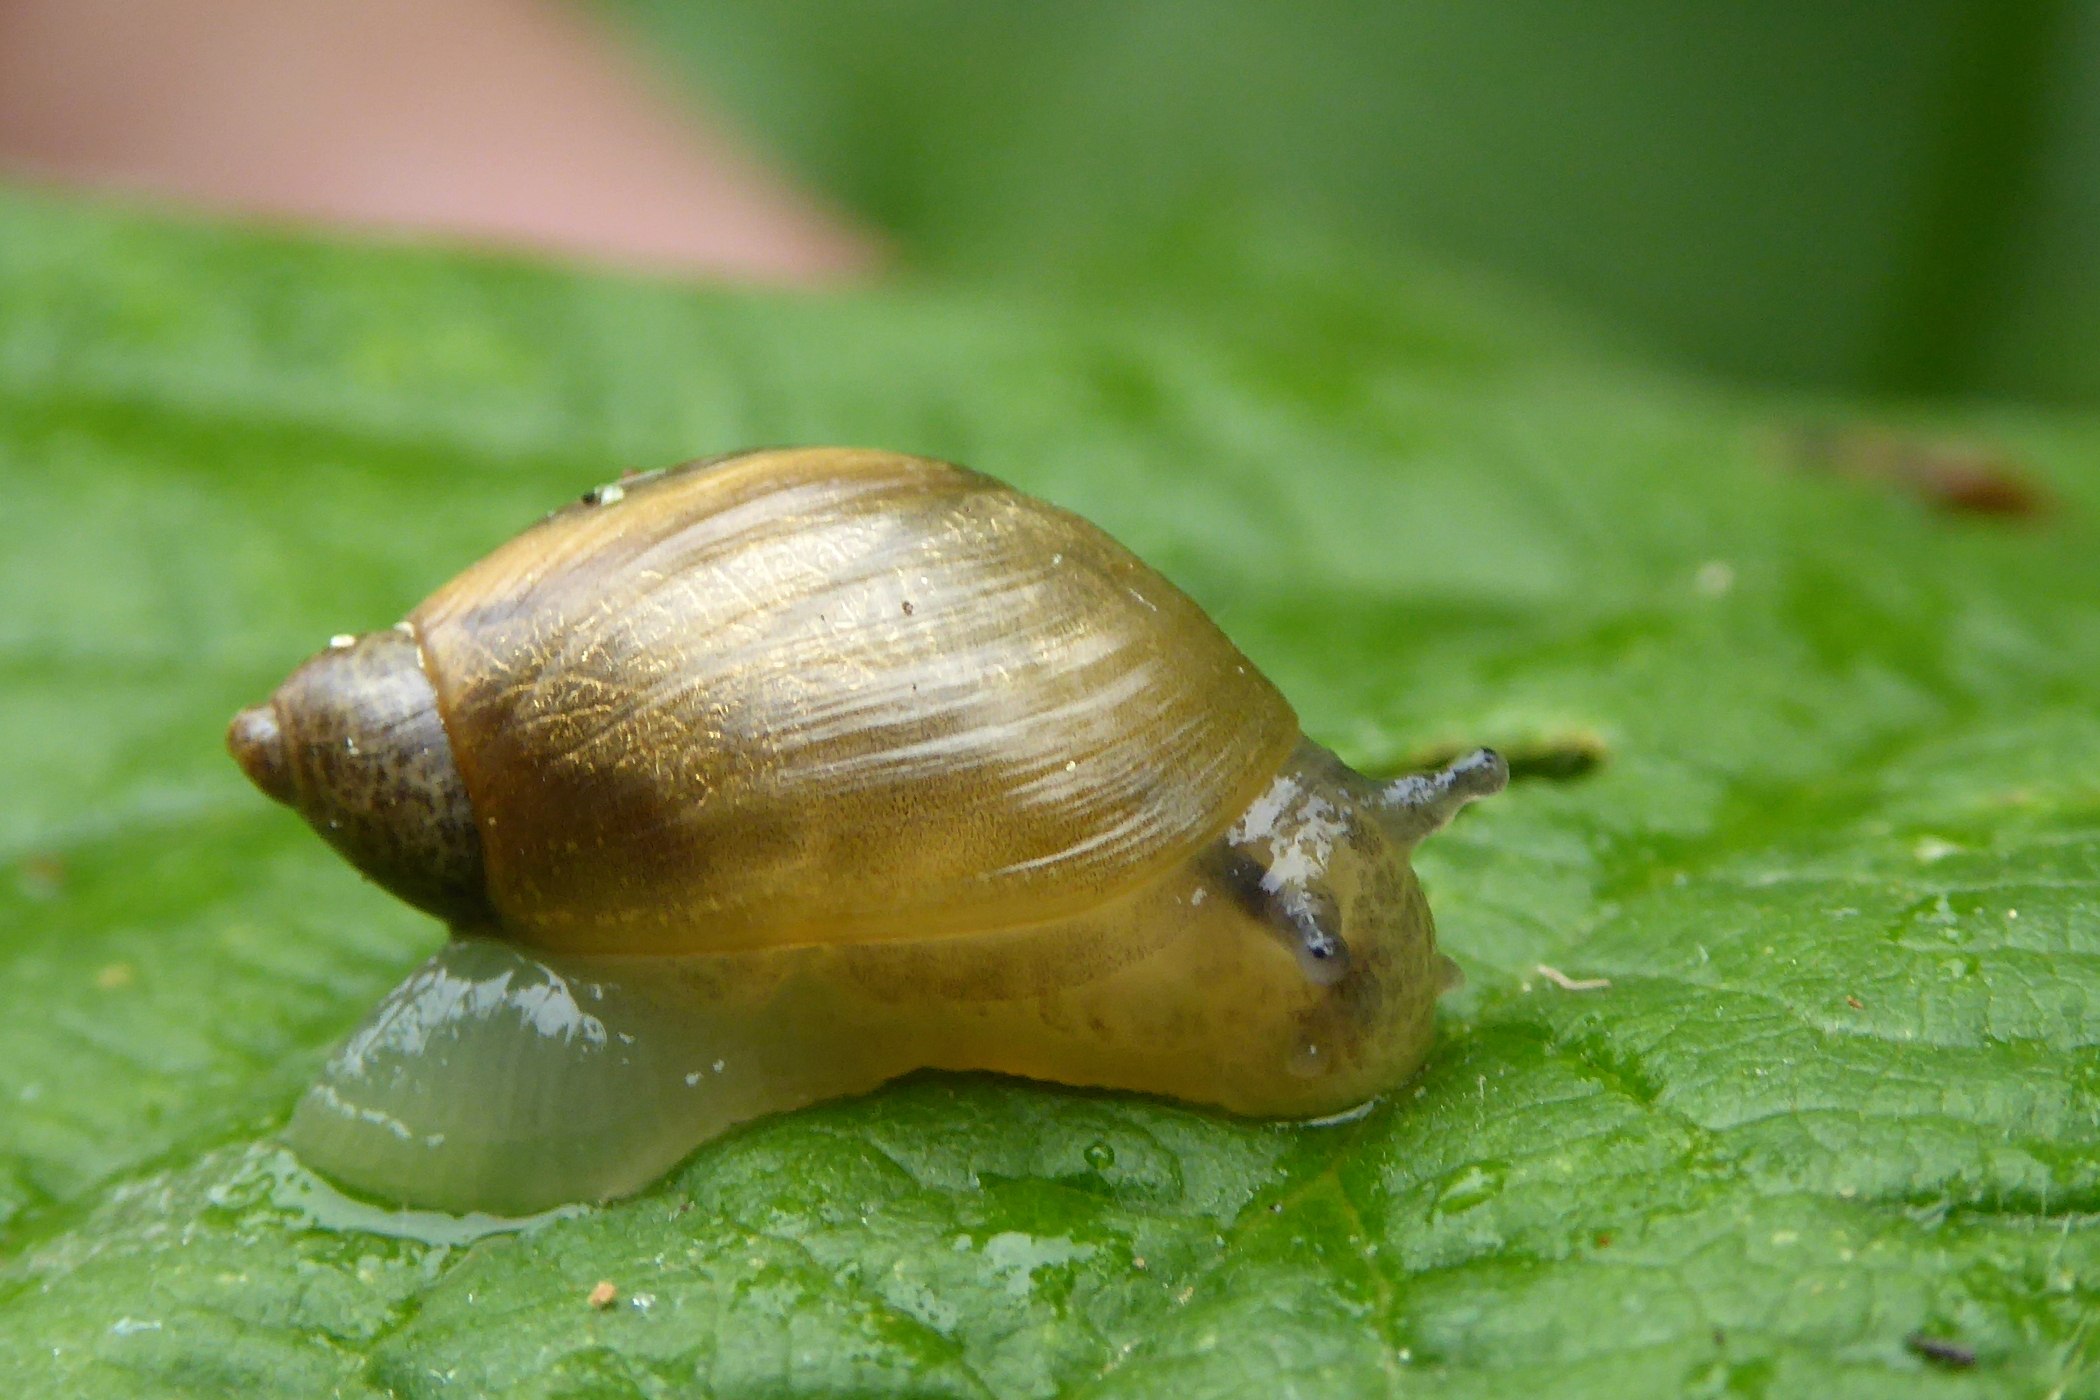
{"type": "Point", "coordinates": [770, 778]}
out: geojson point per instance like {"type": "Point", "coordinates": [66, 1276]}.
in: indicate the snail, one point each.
{"type": "Point", "coordinates": [768, 779]}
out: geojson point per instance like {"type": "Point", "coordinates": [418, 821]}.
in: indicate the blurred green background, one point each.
{"type": "Point", "coordinates": [1884, 197]}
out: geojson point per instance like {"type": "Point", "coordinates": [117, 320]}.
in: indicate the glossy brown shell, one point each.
{"type": "Point", "coordinates": [829, 695]}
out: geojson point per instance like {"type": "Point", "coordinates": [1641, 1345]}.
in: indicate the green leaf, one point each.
{"type": "Point", "coordinates": [1837, 851]}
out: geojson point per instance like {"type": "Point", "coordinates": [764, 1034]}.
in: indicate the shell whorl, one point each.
{"type": "Point", "coordinates": [831, 695]}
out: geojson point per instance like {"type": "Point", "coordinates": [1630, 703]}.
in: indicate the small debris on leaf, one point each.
{"type": "Point", "coordinates": [1962, 478]}
{"type": "Point", "coordinates": [42, 875]}
{"type": "Point", "coordinates": [1940, 1351]}
{"type": "Point", "coordinates": [1855, 1003]}
{"type": "Point", "coordinates": [604, 1295]}
{"type": "Point", "coordinates": [1573, 984]}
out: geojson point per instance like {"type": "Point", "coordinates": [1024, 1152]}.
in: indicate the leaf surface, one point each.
{"type": "Point", "coordinates": [1836, 851]}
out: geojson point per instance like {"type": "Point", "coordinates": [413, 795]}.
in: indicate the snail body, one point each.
{"type": "Point", "coordinates": [771, 778]}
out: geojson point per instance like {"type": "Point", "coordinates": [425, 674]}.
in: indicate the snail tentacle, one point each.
{"type": "Point", "coordinates": [1303, 915]}
{"type": "Point", "coordinates": [1316, 921]}
{"type": "Point", "coordinates": [1420, 805]}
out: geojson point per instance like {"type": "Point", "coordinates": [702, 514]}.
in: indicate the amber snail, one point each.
{"type": "Point", "coordinates": [770, 778]}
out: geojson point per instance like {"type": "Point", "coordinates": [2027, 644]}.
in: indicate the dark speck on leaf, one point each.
{"type": "Point", "coordinates": [1940, 1351]}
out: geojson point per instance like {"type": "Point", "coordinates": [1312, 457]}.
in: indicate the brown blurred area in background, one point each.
{"type": "Point", "coordinates": [513, 123]}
